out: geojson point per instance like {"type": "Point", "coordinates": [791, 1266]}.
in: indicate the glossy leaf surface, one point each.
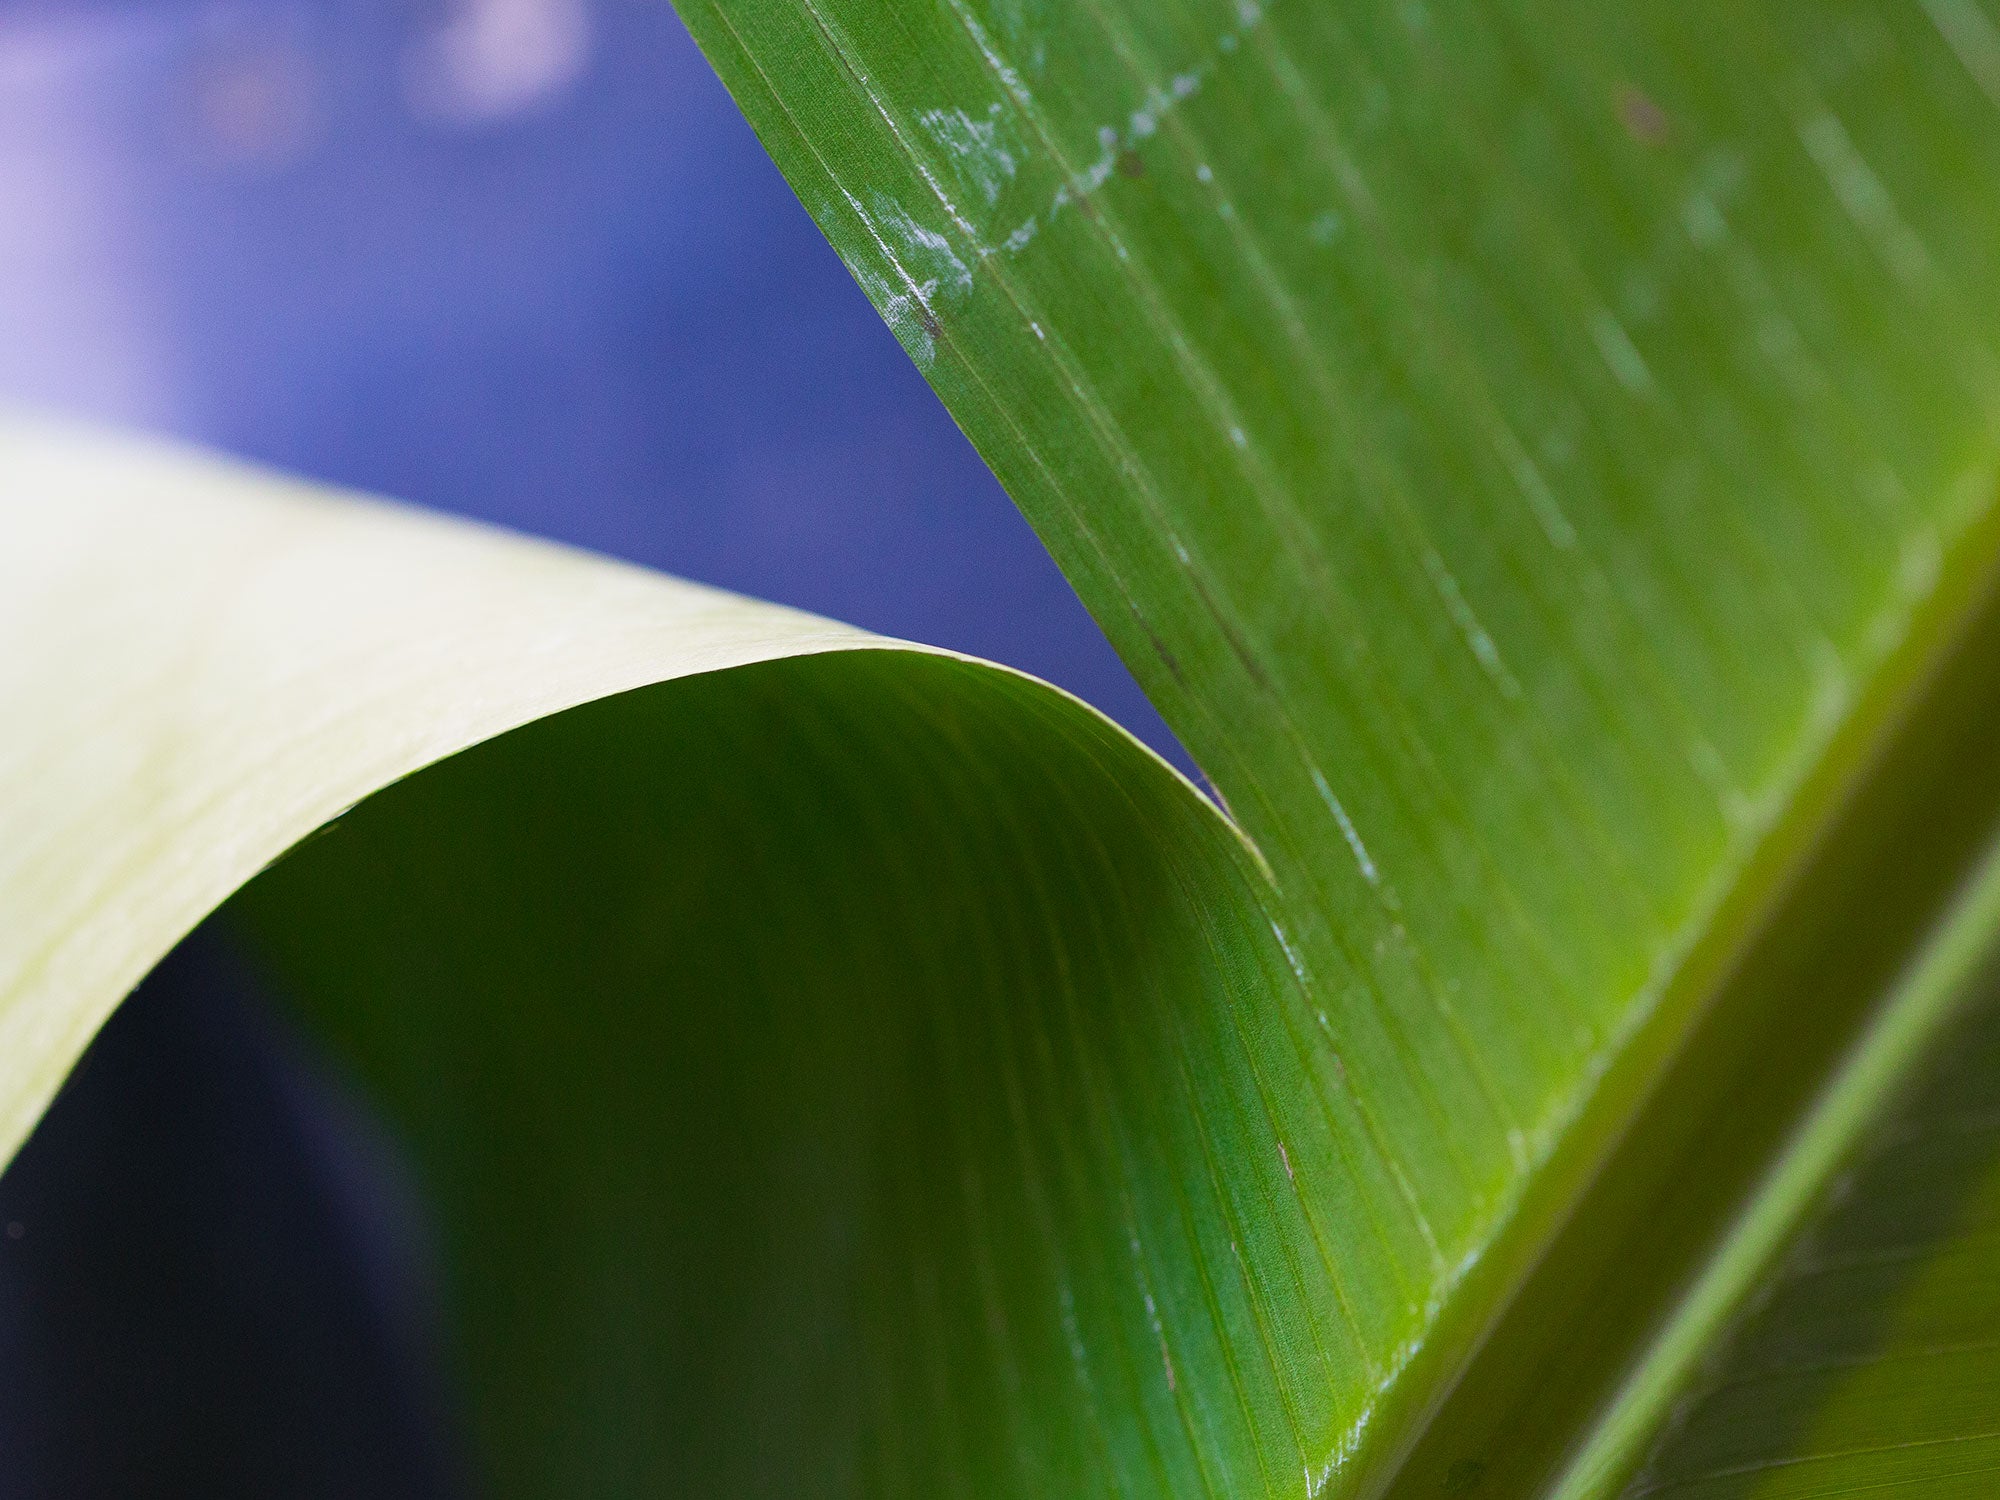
{"type": "Point", "coordinates": [1529, 451]}
{"type": "Point", "coordinates": [1541, 460]}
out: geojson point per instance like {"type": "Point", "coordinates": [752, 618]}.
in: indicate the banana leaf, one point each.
{"type": "Point", "coordinates": [1541, 460]}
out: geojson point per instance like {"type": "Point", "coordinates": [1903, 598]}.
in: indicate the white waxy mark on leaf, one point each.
{"type": "Point", "coordinates": [1717, 179]}
{"type": "Point", "coordinates": [1832, 688]}
{"type": "Point", "coordinates": [1920, 563]}
{"type": "Point", "coordinates": [1619, 352]}
{"type": "Point", "coordinates": [1704, 221]}
{"type": "Point", "coordinates": [1018, 21]}
{"type": "Point", "coordinates": [1143, 123]}
{"type": "Point", "coordinates": [1738, 813]}
{"type": "Point", "coordinates": [1476, 639]}
{"type": "Point", "coordinates": [1347, 830]}
{"type": "Point", "coordinates": [1863, 196]}
{"type": "Point", "coordinates": [1324, 229]}
{"type": "Point", "coordinates": [988, 161]}
{"type": "Point", "coordinates": [1973, 38]}
{"type": "Point", "coordinates": [1535, 490]}
{"type": "Point", "coordinates": [1292, 958]}
{"type": "Point", "coordinates": [1152, 1308]}
{"type": "Point", "coordinates": [1073, 1334]}
{"type": "Point", "coordinates": [905, 313]}
{"type": "Point", "coordinates": [975, 146]}
{"type": "Point", "coordinates": [928, 249]}
{"type": "Point", "coordinates": [922, 268]}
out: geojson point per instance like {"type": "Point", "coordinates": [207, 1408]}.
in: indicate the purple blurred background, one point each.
{"type": "Point", "coordinates": [518, 259]}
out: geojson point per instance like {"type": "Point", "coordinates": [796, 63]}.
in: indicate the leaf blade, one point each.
{"type": "Point", "coordinates": [1517, 449]}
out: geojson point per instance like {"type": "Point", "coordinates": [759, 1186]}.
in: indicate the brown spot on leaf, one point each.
{"type": "Point", "coordinates": [1167, 657]}
{"type": "Point", "coordinates": [1131, 164]}
{"type": "Point", "coordinates": [1643, 119]}
{"type": "Point", "coordinates": [930, 322]}
{"type": "Point", "coordinates": [1464, 1476]}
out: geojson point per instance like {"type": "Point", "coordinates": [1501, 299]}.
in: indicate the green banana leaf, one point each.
{"type": "Point", "coordinates": [1540, 457]}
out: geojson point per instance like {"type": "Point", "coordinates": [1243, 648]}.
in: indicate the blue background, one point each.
{"type": "Point", "coordinates": [594, 312]}
{"type": "Point", "coordinates": [518, 259]}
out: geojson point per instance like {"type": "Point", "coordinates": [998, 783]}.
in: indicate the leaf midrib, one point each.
{"type": "Point", "coordinates": [1717, 1038]}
